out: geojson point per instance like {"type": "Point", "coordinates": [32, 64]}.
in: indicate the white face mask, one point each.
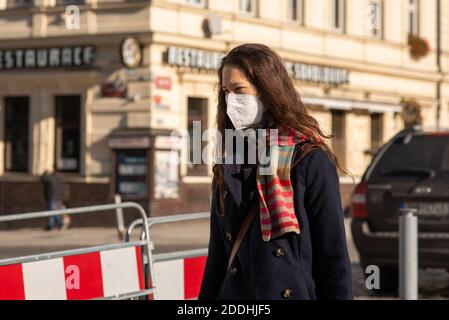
{"type": "Point", "coordinates": [244, 110]}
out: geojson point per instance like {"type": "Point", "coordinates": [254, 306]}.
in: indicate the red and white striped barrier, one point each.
{"type": "Point", "coordinates": [100, 274]}
{"type": "Point", "coordinates": [77, 277]}
{"type": "Point", "coordinates": [179, 279]}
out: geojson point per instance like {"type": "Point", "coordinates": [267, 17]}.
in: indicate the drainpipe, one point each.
{"type": "Point", "coordinates": [438, 61]}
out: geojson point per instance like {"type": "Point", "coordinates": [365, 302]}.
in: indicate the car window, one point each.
{"type": "Point", "coordinates": [414, 156]}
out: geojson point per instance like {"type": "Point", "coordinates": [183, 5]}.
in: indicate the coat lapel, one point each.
{"type": "Point", "coordinates": [234, 186]}
{"type": "Point", "coordinates": [234, 174]}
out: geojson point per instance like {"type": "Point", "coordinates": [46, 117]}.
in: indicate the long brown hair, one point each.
{"type": "Point", "coordinates": [264, 69]}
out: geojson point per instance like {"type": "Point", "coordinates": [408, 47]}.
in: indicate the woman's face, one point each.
{"type": "Point", "coordinates": [234, 81]}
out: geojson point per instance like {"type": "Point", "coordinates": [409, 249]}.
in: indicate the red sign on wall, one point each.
{"type": "Point", "coordinates": [163, 83]}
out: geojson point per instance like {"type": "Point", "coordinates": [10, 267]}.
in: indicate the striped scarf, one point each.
{"type": "Point", "coordinates": [277, 212]}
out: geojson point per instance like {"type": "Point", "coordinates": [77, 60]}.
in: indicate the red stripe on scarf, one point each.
{"type": "Point", "coordinates": [277, 192]}
{"type": "Point", "coordinates": [276, 181]}
{"type": "Point", "coordinates": [283, 214]}
{"type": "Point", "coordinates": [273, 207]}
{"type": "Point", "coordinates": [279, 227]}
{"type": "Point", "coordinates": [280, 204]}
{"type": "Point", "coordinates": [284, 225]}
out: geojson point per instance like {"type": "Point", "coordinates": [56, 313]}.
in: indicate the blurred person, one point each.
{"type": "Point", "coordinates": [53, 191]}
{"type": "Point", "coordinates": [289, 224]}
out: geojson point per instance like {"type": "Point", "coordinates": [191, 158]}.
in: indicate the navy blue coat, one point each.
{"type": "Point", "coordinates": [312, 265]}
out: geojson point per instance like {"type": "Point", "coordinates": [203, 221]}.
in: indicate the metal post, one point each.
{"type": "Point", "coordinates": [120, 219]}
{"type": "Point", "coordinates": [408, 254]}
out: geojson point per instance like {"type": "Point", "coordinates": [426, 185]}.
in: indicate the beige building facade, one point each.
{"type": "Point", "coordinates": [96, 87]}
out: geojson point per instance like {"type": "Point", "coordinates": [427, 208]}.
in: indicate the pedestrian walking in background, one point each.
{"type": "Point", "coordinates": [277, 236]}
{"type": "Point", "coordinates": [53, 193]}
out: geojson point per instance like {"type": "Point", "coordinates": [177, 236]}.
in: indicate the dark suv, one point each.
{"type": "Point", "coordinates": [411, 170]}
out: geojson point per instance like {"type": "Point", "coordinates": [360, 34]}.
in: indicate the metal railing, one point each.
{"type": "Point", "coordinates": [152, 258]}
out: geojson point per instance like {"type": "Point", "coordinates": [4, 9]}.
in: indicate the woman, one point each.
{"type": "Point", "coordinates": [295, 246]}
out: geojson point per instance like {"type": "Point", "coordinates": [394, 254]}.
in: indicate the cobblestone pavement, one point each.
{"type": "Point", "coordinates": [433, 284]}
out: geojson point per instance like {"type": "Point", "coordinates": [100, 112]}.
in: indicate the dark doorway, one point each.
{"type": "Point", "coordinates": [16, 134]}
{"type": "Point", "coordinates": [67, 133]}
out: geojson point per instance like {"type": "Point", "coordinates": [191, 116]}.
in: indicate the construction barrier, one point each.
{"type": "Point", "coordinates": [179, 279]}
{"type": "Point", "coordinates": [92, 275]}
{"type": "Point", "coordinates": [113, 271]}
{"type": "Point", "coordinates": [176, 275]}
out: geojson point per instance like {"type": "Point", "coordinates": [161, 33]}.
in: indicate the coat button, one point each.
{"type": "Point", "coordinates": [225, 194]}
{"type": "Point", "coordinates": [233, 271]}
{"type": "Point", "coordinates": [228, 236]}
{"type": "Point", "coordinates": [286, 293]}
{"type": "Point", "coordinates": [279, 252]}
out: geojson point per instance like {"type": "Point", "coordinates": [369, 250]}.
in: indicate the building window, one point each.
{"type": "Point", "coordinates": [413, 17]}
{"type": "Point", "coordinates": [16, 134]}
{"type": "Point", "coordinates": [376, 131]}
{"type": "Point", "coordinates": [339, 135]}
{"type": "Point", "coordinates": [375, 18]}
{"type": "Point", "coordinates": [198, 3]}
{"type": "Point", "coordinates": [247, 7]}
{"type": "Point", "coordinates": [15, 4]}
{"type": "Point", "coordinates": [338, 15]}
{"type": "Point", "coordinates": [196, 116]}
{"type": "Point", "coordinates": [295, 11]}
{"type": "Point", "coordinates": [67, 133]}
{"type": "Point", "coordinates": [69, 2]}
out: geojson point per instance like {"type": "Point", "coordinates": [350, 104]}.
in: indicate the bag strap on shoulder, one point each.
{"type": "Point", "coordinates": [242, 231]}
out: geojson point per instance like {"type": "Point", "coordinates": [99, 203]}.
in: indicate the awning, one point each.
{"type": "Point", "coordinates": [345, 104]}
{"type": "Point", "coordinates": [139, 138]}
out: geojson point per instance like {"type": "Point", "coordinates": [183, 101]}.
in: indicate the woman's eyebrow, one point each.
{"type": "Point", "coordinates": [235, 84]}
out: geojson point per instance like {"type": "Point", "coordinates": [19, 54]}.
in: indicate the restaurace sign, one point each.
{"type": "Point", "coordinates": [64, 57]}
{"type": "Point", "coordinates": [193, 58]}
{"type": "Point", "coordinates": [210, 60]}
